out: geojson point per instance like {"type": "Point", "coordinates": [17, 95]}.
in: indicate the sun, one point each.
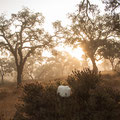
{"type": "Point", "coordinates": [75, 52]}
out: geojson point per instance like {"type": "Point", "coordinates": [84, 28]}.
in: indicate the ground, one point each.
{"type": "Point", "coordinates": [8, 98]}
{"type": "Point", "coordinates": [9, 94]}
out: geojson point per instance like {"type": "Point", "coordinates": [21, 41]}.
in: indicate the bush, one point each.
{"type": "Point", "coordinates": [82, 82]}
{"type": "Point", "coordinates": [90, 100]}
{"type": "Point", "coordinates": [42, 103]}
{"type": "Point", "coordinates": [95, 101]}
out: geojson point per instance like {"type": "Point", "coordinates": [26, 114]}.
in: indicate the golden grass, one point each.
{"type": "Point", "coordinates": [7, 103]}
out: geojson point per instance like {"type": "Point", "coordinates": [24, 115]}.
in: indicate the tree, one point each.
{"type": "Point", "coordinates": [117, 67]}
{"type": "Point", "coordinates": [111, 4]}
{"type": "Point", "coordinates": [88, 30]}
{"type": "Point", "coordinates": [65, 62]}
{"type": "Point", "coordinates": [6, 66]}
{"type": "Point", "coordinates": [110, 51]}
{"type": "Point", "coordinates": [22, 34]}
{"type": "Point", "coordinates": [29, 68]}
{"type": "Point", "coordinates": [58, 65]}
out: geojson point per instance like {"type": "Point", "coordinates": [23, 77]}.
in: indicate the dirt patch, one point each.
{"type": "Point", "coordinates": [7, 103]}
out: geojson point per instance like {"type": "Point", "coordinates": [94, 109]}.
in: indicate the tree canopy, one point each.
{"type": "Point", "coordinates": [21, 35]}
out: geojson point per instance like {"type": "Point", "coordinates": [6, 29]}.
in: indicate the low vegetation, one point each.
{"type": "Point", "coordinates": [90, 99]}
{"type": "Point", "coordinates": [94, 33]}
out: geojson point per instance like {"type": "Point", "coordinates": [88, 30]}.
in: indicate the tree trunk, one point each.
{"type": "Point", "coordinates": [62, 71]}
{"type": "Point", "coordinates": [2, 79]}
{"type": "Point", "coordinates": [112, 63]}
{"type": "Point", "coordinates": [19, 75]}
{"type": "Point", "coordinates": [94, 64]}
{"type": "Point", "coordinates": [112, 66]}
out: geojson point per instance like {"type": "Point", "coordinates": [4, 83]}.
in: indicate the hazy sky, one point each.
{"type": "Point", "coordinates": [52, 9]}
{"type": "Point", "coordinates": [47, 7]}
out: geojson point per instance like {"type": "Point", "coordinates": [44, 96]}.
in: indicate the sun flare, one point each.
{"type": "Point", "coordinates": [75, 52]}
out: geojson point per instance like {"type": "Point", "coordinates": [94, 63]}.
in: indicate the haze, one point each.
{"type": "Point", "coordinates": [52, 10]}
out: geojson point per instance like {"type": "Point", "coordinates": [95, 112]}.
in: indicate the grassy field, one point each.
{"type": "Point", "coordinates": [8, 98]}
{"type": "Point", "coordinates": [9, 94]}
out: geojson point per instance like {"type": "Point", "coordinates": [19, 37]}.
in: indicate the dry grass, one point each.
{"type": "Point", "coordinates": [9, 97]}
{"type": "Point", "coordinates": [9, 94]}
{"type": "Point", "coordinates": [112, 79]}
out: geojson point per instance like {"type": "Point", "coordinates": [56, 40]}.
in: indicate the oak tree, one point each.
{"type": "Point", "coordinates": [21, 35]}
{"type": "Point", "coordinates": [90, 31]}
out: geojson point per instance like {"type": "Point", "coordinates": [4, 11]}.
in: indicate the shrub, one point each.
{"type": "Point", "coordinates": [42, 103]}
{"type": "Point", "coordinates": [82, 82]}
{"type": "Point", "coordinates": [95, 101]}
{"type": "Point", "coordinates": [90, 100]}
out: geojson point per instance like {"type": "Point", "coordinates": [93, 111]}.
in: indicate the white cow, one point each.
{"type": "Point", "coordinates": [64, 91]}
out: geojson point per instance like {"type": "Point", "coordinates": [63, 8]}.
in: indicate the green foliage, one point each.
{"type": "Point", "coordinates": [90, 100]}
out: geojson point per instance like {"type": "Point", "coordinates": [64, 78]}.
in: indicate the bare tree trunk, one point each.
{"type": "Point", "coordinates": [19, 75]}
{"type": "Point", "coordinates": [2, 79]}
{"type": "Point", "coordinates": [117, 67]}
{"type": "Point", "coordinates": [112, 64]}
{"type": "Point", "coordinates": [32, 78]}
{"type": "Point", "coordinates": [62, 71]}
{"type": "Point", "coordinates": [94, 64]}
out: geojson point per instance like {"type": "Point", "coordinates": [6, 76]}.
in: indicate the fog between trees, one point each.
{"type": "Point", "coordinates": [25, 38]}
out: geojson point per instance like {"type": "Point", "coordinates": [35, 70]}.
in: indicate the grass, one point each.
{"type": "Point", "coordinates": [8, 98]}
{"type": "Point", "coordinates": [9, 93]}
{"type": "Point", "coordinates": [111, 79]}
